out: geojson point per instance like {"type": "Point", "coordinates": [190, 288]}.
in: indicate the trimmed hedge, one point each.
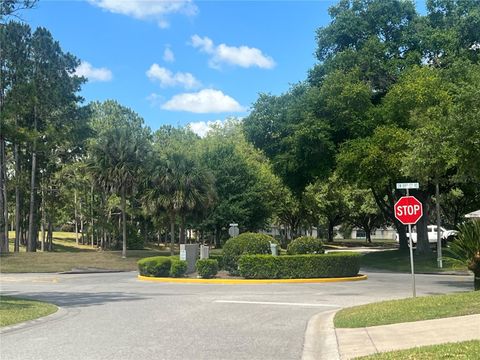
{"type": "Point", "coordinates": [246, 243]}
{"type": "Point", "coordinates": [207, 268]}
{"type": "Point", "coordinates": [305, 245]}
{"type": "Point", "coordinates": [162, 266]}
{"type": "Point", "coordinates": [219, 258]}
{"type": "Point", "coordinates": [178, 268]}
{"type": "Point", "coordinates": [299, 266]}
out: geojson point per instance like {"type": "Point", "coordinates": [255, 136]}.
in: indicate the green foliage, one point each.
{"type": "Point", "coordinates": [157, 266]}
{"type": "Point", "coordinates": [207, 268]}
{"type": "Point", "coordinates": [305, 245]}
{"type": "Point", "coordinates": [246, 243]}
{"type": "Point", "coordinates": [219, 259]}
{"type": "Point", "coordinates": [465, 249]}
{"type": "Point", "coordinates": [134, 239]}
{"type": "Point", "coordinates": [299, 266]}
{"type": "Point", "coordinates": [178, 268]}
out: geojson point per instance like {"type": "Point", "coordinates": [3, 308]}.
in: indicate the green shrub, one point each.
{"type": "Point", "coordinates": [178, 268]}
{"type": "Point", "coordinates": [134, 239]}
{"type": "Point", "coordinates": [299, 266]}
{"type": "Point", "coordinates": [207, 268]}
{"type": "Point", "coordinates": [246, 243]}
{"type": "Point", "coordinates": [157, 266]}
{"type": "Point", "coordinates": [219, 259]}
{"type": "Point", "coordinates": [305, 245]}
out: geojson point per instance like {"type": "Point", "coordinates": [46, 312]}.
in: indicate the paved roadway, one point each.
{"type": "Point", "coordinates": [115, 316]}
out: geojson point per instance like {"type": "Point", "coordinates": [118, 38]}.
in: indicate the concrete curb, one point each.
{"type": "Point", "coordinates": [320, 338]}
{"type": "Point", "coordinates": [59, 314]}
{"type": "Point", "coordinates": [248, 281]}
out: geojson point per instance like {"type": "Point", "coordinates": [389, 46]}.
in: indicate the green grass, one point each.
{"type": "Point", "coordinates": [15, 310]}
{"type": "Point", "coordinates": [66, 261]}
{"type": "Point", "coordinates": [411, 309]}
{"type": "Point", "coordinates": [467, 350]}
{"type": "Point", "coordinates": [399, 261]}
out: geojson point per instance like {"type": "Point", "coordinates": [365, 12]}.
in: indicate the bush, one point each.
{"type": "Point", "coordinates": [178, 268]}
{"type": "Point", "coordinates": [134, 239]}
{"type": "Point", "coordinates": [157, 266]}
{"type": "Point", "coordinates": [305, 245]}
{"type": "Point", "coordinates": [246, 243]}
{"type": "Point", "coordinates": [219, 259]}
{"type": "Point", "coordinates": [207, 268]}
{"type": "Point", "coordinates": [299, 266]}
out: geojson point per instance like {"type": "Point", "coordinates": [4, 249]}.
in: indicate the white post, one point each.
{"type": "Point", "coordinates": [411, 256]}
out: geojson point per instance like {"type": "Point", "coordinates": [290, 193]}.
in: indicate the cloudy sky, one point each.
{"type": "Point", "coordinates": [185, 62]}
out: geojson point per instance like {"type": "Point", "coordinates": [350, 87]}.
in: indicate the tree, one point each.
{"type": "Point", "coordinates": [117, 153]}
{"type": "Point", "coordinates": [362, 211]}
{"type": "Point", "coordinates": [374, 163]}
{"type": "Point", "coordinates": [327, 200]}
{"type": "Point", "coordinates": [179, 186]}
{"type": "Point", "coordinates": [246, 186]}
{"type": "Point", "coordinates": [465, 249]}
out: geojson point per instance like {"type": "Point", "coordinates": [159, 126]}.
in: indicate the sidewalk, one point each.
{"type": "Point", "coordinates": [353, 343]}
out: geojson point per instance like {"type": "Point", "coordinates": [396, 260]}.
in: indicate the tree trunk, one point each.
{"type": "Point", "coordinates": [43, 220]}
{"type": "Point", "coordinates": [423, 244]}
{"type": "Point", "coordinates": [76, 215]}
{"type": "Point", "coordinates": [91, 216]}
{"type": "Point", "coordinates": [32, 239]}
{"type": "Point", "coordinates": [368, 234]}
{"type": "Point", "coordinates": [50, 236]}
{"type": "Point", "coordinates": [476, 281]}
{"type": "Point", "coordinates": [183, 238]}
{"type": "Point", "coordinates": [330, 231]}
{"type": "Point", "coordinates": [172, 233]}
{"type": "Point", "coordinates": [5, 194]}
{"type": "Point", "coordinates": [18, 221]}
{"type": "Point", "coordinates": [3, 205]}
{"type": "Point", "coordinates": [124, 224]}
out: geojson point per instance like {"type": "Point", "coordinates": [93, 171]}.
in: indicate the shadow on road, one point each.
{"type": "Point", "coordinates": [77, 299]}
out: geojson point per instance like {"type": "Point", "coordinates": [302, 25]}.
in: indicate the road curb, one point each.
{"type": "Point", "coordinates": [60, 313]}
{"type": "Point", "coordinates": [249, 281]}
{"type": "Point", "coordinates": [320, 338]}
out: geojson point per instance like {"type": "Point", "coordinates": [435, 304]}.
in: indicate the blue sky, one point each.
{"type": "Point", "coordinates": [185, 62]}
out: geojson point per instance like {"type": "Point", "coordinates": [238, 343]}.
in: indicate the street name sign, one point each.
{"type": "Point", "coordinates": [408, 186]}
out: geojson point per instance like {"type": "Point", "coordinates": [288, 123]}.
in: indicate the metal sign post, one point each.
{"type": "Point", "coordinates": [409, 214]}
{"type": "Point", "coordinates": [414, 288]}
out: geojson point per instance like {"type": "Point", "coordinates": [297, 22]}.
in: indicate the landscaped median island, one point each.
{"type": "Point", "coordinates": [249, 257]}
{"type": "Point", "coordinates": [465, 350]}
{"type": "Point", "coordinates": [411, 309]}
{"type": "Point", "coordinates": [14, 310]}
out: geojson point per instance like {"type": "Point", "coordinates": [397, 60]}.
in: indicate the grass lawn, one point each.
{"type": "Point", "coordinates": [411, 309]}
{"type": "Point", "coordinates": [66, 261]}
{"type": "Point", "coordinates": [14, 310]}
{"type": "Point", "coordinates": [399, 261]}
{"type": "Point", "coordinates": [67, 255]}
{"type": "Point", "coordinates": [467, 350]}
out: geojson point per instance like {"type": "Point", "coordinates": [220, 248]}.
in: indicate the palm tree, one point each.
{"type": "Point", "coordinates": [179, 186]}
{"type": "Point", "coordinates": [115, 163]}
{"type": "Point", "coordinates": [465, 249]}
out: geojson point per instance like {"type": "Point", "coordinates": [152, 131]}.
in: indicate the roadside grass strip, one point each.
{"type": "Point", "coordinates": [399, 261]}
{"type": "Point", "coordinates": [14, 310]}
{"type": "Point", "coordinates": [407, 310]}
{"type": "Point", "coordinates": [467, 350]}
{"type": "Point", "coordinates": [249, 281]}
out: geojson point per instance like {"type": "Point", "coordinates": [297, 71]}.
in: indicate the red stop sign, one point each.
{"type": "Point", "coordinates": [408, 210]}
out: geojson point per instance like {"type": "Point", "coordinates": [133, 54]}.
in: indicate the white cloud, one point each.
{"type": "Point", "coordinates": [93, 74]}
{"type": "Point", "coordinates": [168, 55]}
{"type": "Point", "coordinates": [148, 9]}
{"type": "Point", "coordinates": [242, 56]}
{"type": "Point", "coordinates": [204, 101]}
{"type": "Point", "coordinates": [167, 78]}
{"type": "Point", "coordinates": [155, 99]}
{"type": "Point", "coordinates": [201, 128]}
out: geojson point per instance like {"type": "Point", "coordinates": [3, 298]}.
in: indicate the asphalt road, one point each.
{"type": "Point", "coordinates": [115, 316]}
